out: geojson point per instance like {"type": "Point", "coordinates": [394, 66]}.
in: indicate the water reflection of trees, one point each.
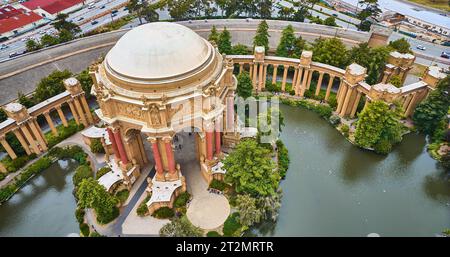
{"type": "Point", "coordinates": [437, 186]}
{"type": "Point", "coordinates": [411, 147]}
{"type": "Point", "coordinates": [358, 164]}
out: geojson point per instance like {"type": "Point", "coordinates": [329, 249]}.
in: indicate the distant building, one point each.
{"type": "Point", "coordinates": [50, 8]}
{"type": "Point", "coordinates": [14, 21]}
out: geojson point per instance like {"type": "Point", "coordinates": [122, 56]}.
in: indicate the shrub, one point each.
{"type": "Point", "coordinates": [6, 192]}
{"type": "Point", "coordinates": [32, 170]}
{"type": "Point", "coordinates": [102, 171]}
{"type": "Point", "coordinates": [123, 195]}
{"type": "Point", "coordinates": [335, 120]}
{"type": "Point", "coordinates": [345, 129]}
{"type": "Point", "coordinates": [231, 225]}
{"type": "Point", "coordinates": [96, 146]}
{"type": "Point", "coordinates": [84, 228]}
{"type": "Point", "coordinates": [142, 209]}
{"type": "Point", "coordinates": [82, 172]}
{"type": "Point", "coordinates": [283, 158]}
{"type": "Point", "coordinates": [163, 213]}
{"type": "Point", "coordinates": [213, 234]}
{"type": "Point", "coordinates": [217, 184]}
{"type": "Point", "coordinates": [79, 214]}
{"type": "Point", "coordinates": [182, 200]}
{"type": "Point", "coordinates": [383, 147]}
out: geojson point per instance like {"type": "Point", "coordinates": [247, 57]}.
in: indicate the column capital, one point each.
{"type": "Point", "coordinates": [2, 137]}
{"type": "Point", "coordinates": [46, 113]}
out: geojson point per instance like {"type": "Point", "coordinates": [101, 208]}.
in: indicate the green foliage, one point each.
{"type": "Point", "coordinates": [289, 45]}
{"type": "Point", "coordinates": [86, 82]}
{"type": "Point", "coordinates": [91, 194]}
{"type": "Point", "coordinates": [345, 129]}
{"type": "Point", "coordinates": [430, 112]}
{"type": "Point", "coordinates": [63, 133]}
{"type": "Point", "coordinates": [217, 184]}
{"type": "Point", "coordinates": [3, 115]}
{"type": "Point", "coordinates": [323, 110]}
{"type": "Point", "coordinates": [51, 85]}
{"type": "Point", "coordinates": [401, 45]}
{"type": "Point", "coordinates": [82, 172]}
{"type": "Point", "coordinates": [245, 85]}
{"type": "Point", "coordinates": [214, 35]}
{"type": "Point", "coordinates": [95, 234]}
{"type": "Point", "coordinates": [84, 228]}
{"type": "Point", "coordinates": [122, 196]}
{"type": "Point", "coordinates": [261, 37]}
{"type": "Point", "coordinates": [283, 158]}
{"type": "Point", "coordinates": [79, 215]}
{"type": "Point", "coordinates": [102, 171]}
{"type": "Point", "coordinates": [70, 152]}
{"type": "Point", "coordinates": [240, 49]}
{"type": "Point", "coordinates": [24, 100]}
{"type": "Point", "coordinates": [213, 234]}
{"type": "Point", "coordinates": [181, 200]}
{"type": "Point", "coordinates": [48, 40]}
{"type": "Point", "coordinates": [330, 21]}
{"type": "Point", "coordinates": [251, 170]}
{"type": "Point", "coordinates": [249, 213]}
{"type": "Point", "coordinates": [373, 59]}
{"type": "Point", "coordinates": [378, 126]}
{"type": "Point", "coordinates": [14, 165]}
{"type": "Point", "coordinates": [396, 81]}
{"type": "Point", "coordinates": [7, 192]}
{"type": "Point", "coordinates": [224, 42]}
{"type": "Point", "coordinates": [32, 45]}
{"type": "Point", "coordinates": [163, 213]}
{"type": "Point", "coordinates": [335, 120]}
{"type": "Point", "coordinates": [231, 225]}
{"type": "Point", "coordinates": [97, 146]}
{"type": "Point", "coordinates": [180, 227]}
{"type": "Point", "coordinates": [330, 51]}
{"type": "Point", "coordinates": [62, 24]}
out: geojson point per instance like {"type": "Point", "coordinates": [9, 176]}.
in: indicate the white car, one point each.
{"type": "Point", "coordinates": [421, 47]}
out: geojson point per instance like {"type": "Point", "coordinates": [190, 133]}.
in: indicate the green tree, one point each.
{"type": "Point", "coordinates": [286, 13]}
{"type": "Point", "coordinates": [214, 35]}
{"type": "Point", "coordinates": [264, 8]}
{"type": "Point", "coordinates": [142, 9]}
{"type": "Point", "coordinates": [62, 24]}
{"type": "Point", "coordinates": [47, 40]}
{"type": "Point", "coordinates": [251, 170]}
{"type": "Point", "coordinates": [93, 195]}
{"type": "Point", "coordinates": [32, 45]}
{"type": "Point", "coordinates": [180, 227]}
{"type": "Point", "coordinates": [270, 205]}
{"type": "Point", "coordinates": [3, 115]}
{"type": "Point", "coordinates": [224, 42]}
{"type": "Point", "coordinates": [51, 85]}
{"type": "Point", "coordinates": [373, 59]}
{"type": "Point", "coordinates": [245, 85]}
{"type": "Point", "coordinates": [330, 21]}
{"type": "Point", "coordinates": [330, 51]}
{"type": "Point", "coordinates": [288, 41]}
{"type": "Point", "coordinates": [249, 213]}
{"type": "Point", "coordinates": [180, 9]}
{"type": "Point", "coordinates": [64, 36]}
{"type": "Point", "coordinates": [370, 8]}
{"type": "Point", "coordinates": [82, 172]}
{"type": "Point", "coordinates": [240, 49]}
{"type": "Point", "coordinates": [430, 112]}
{"type": "Point", "coordinates": [396, 81]}
{"type": "Point", "coordinates": [379, 127]}
{"type": "Point", "coordinates": [261, 37]}
{"type": "Point", "coordinates": [96, 146]}
{"type": "Point", "coordinates": [86, 82]}
{"type": "Point", "coordinates": [401, 45]}
{"type": "Point", "coordinates": [24, 100]}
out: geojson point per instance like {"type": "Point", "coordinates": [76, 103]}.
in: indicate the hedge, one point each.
{"type": "Point", "coordinates": [142, 209]}
{"type": "Point", "coordinates": [231, 225]}
{"type": "Point", "coordinates": [63, 133]}
{"type": "Point", "coordinates": [123, 195]}
{"type": "Point", "coordinates": [283, 158]}
{"type": "Point", "coordinates": [213, 234]}
{"type": "Point", "coordinates": [163, 213]}
{"type": "Point", "coordinates": [182, 199]}
{"type": "Point", "coordinates": [217, 184]}
{"type": "Point", "coordinates": [82, 172]}
{"type": "Point", "coordinates": [79, 215]}
{"type": "Point", "coordinates": [102, 171]}
{"type": "Point", "coordinates": [96, 146]}
{"type": "Point", "coordinates": [84, 228]}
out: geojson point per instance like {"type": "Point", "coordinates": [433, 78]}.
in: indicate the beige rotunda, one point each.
{"type": "Point", "coordinates": [159, 79]}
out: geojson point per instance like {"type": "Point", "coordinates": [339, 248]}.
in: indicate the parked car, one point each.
{"type": "Point", "coordinates": [421, 47]}
{"type": "Point", "coordinates": [115, 11]}
{"type": "Point", "coordinates": [102, 7]}
{"type": "Point", "coordinates": [3, 46]}
{"type": "Point", "coordinates": [91, 6]}
{"type": "Point", "coordinates": [445, 55]}
{"type": "Point", "coordinates": [94, 22]}
{"type": "Point", "coordinates": [81, 18]}
{"type": "Point", "coordinates": [14, 54]}
{"type": "Point", "coordinates": [335, 15]}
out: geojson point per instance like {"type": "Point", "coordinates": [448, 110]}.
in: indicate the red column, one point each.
{"type": "Point", "coordinates": [217, 139]}
{"type": "Point", "coordinates": [209, 145]}
{"type": "Point", "coordinates": [157, 157]}
{"type": "Point", "coordinates": [170, 158]}
{"type": "Point", "coordinates": [123, 154]}
{"type": "Point", "coordinates": [114, 143]}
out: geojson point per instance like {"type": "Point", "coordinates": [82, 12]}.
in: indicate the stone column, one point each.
{"type": "Point", "coordinates": [355, 105]}
{"type": "Point", "coordinates": [260, 76]}
{"type": "Point", "coordinates": [86, 108]}
{"type": "Point", "coordinates": [169, 153]}
{"type": "Point", "coordinates": [319, 83]}
{"type": "Point", "coordinates": [304, 81]}
{"type": "Point", "coordinates": [218, 137]}
{"type": "Point", "coordinates": [202, 146]}
{"type": "Point", "coordinates": [294, 78]}
{"type": "Point", "coordinates": [8, 148]}
{"type": "Point", "coordinates": [119, 143]}
{"type": "Point", "coordinates": [141, 148]}
{"type": "Point", "coordinates": [411, 105]}
{"type": "Point", "coordinates": [274, 74]}
{"type": "Point", "coordinates": [342, 92]}
{"type": "Point", "coordinates": [230, 114]}
{"type": "Point", "coordinates": [250, 70]}
{"type": "Point", "coordinates": [255, 75]}
{"type": "Point", "coordinates": [241, 68]}
{"type": "Point", "coordinates": [80, 112]}
{"type": "Point", "coordinates": [50, 123]}
{"type": "Point", "coordinates": [407, 100]}
{"type": "Point", "coordinates": [283, 83]}
{"type": "Point", "coordinates": [30, 139]}
{"type": "Point", "coordinates": [61, 116]}
{"type": "Point", "coordinates": [308, 83]}
{"type": "Point", "coordinates": [113, 143]}
{"type": "Point", "coordinates": [330, 85]}
{"type": "Point", "coordinates": [40, 131]}
{"type": "Point", "coordinates": [158, 163]}
{"type": "Point", "coordinates": [264, 77]}
{"type": "Point", "coordinates": [74, 112]}
{"type": "Point", "coordinates": [22, 141]}
{"type": "Point", "coordinates": [346, 100]}
{"type": "Point", "coordinates": [37, 134]}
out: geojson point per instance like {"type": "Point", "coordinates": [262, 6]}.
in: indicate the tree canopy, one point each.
{"type": "Point", "coordinates": [251, 170]}
{"type": "Point", "coordinates": [373, 59]}
{"type": "Point", "coordinates": [330, 51]}
{"type": "Point", "coordinates": [289, 45]}
{"type": "Point", "coordinates": [214, 35]}
{"type": "Point", "coordinates": [262, 35]}
{"type": "Point", "coordinates": [401, 45]}
{"type": "Point", "coordinates": [245, 85]}
{"type": "Point", "coordinates": [379, 127]}
{"type": "Point", "coordinates": [180, 227]}
{"type": "Point", "coordinates": [224, 42]}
